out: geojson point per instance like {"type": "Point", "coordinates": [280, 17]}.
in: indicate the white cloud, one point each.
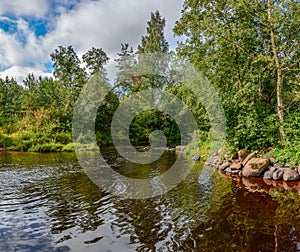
{"type": "Point", "coordinates": [104, 24]}
{"type": "Point", "coordinates": [14, 52]}
{"type": "Point", "coordinates": [109, 23]}
{"type": "Point", "coordinates": [36, 8]}
{"type": "Point", "coordinates": [20, 72]}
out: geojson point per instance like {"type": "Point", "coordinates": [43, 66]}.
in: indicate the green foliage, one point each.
{"type": "Point", "coordinates": [95, 59]}
{"type": "Point", "coordinates": [46, 147]}
{"type": "Point", "coordinates": [147, 122]}
{"type": "Point", "coordinates": [154, 41]}
{"type": "Point", "coordinates": [231, 42]}
{"type": "Point", "coordinates": [290, 151]}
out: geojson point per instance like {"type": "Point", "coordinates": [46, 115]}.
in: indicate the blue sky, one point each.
{"type": "Point", "coordinates": [31, 30]}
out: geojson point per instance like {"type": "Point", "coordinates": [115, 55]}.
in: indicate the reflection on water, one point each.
{"type": "Point", "coordinates": [49, 204]}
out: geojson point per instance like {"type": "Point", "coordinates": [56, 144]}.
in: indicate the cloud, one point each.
{"type": "Point", "coordinates": [19, 73]}
{"type": "Point", "coordinates": [107, 24]}
{"type": "Point", "coordinates": [104, 24]}
{"type": "Point", "coordinates": [21, 48]}
{"type": "Point", "coordinates": [36, 8]}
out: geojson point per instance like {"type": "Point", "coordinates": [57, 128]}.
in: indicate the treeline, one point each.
{"type": "Point", "coordinates": [248, 51]}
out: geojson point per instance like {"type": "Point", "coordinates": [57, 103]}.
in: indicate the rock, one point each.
{"type": "Point", "coordinates": [228, 170]}
{"type": "Point", "coordinates": [255, 167]}
{"type": "Point", "coordinates": [278, 174]}
{"type": "Point", "coordinates": [246, 160]}
{"type": "Point", "coordinates": [236, 166]}
{"type": "Point", "coordinates": [225, 165]}
{"type": "Point", "coordinates": [299, 169]}
{"type": "Point", "coordinates": [277, 165]}
{"type": "Point", "coordinates": [290, 175]}
{"type": "Point", "coordinates": [268, 175]}
{"type": "Point", "coordinates": [272, 169]}
{"type": "Point", "coordinates": [235, 171]}
{"type": "Point", "coordinates": [272, 160]}
{"type": "Point", "coordinates": [242, 155]}
{"type": "Point", "coordinates": [196, 158]}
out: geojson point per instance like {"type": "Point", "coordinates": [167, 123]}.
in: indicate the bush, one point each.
{"type": "Point", "coordinates": [5, 140]}
{"type": "Point", "coordinates": [63, 137]}
{"type": "Point", "coordinates": [47, 147]}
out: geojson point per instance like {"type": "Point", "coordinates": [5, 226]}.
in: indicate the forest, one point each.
{"type": "Point", "coordinates": [249, 51]}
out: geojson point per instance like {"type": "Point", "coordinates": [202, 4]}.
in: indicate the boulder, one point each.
{"type": "Point", "coordinates": [242, 155]}
{"type": "Point", "coordinates": [268, 175]}
{"type": "Point", "coordinates": [290, 175]}
{"type": "Point", "coordinates": [235, 171]}
{"type": "Point", "coordinates": [272, 160]}
{"type": "Point", "coordinates": [236, 166]}
{"type": "Point", "coordinates": [278, 174]}
{"type": "Point", "coordinates": [225, 165]}
{"type": "Point", "coordinates": [277, 165]}
{"type": "Point", "coordinates": [228, 170]}
{"type": "Point", "coordinates": [246, 160]}
{"type": "Point", "coordinates": [299, 169]}
{"type": "Point", "coordinates": [272, 169]}
{"type": "Point", "coordinates": [255, 167]}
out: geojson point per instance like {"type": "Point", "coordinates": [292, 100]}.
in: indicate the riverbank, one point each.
{"type": "Point", "coordinates": [256, 171]}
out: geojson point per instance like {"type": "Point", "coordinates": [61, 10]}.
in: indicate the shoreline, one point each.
{"type": "Point", "coordinates": [256, 174]}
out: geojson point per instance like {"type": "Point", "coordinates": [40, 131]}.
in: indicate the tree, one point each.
{"type": "Point", "coordinates": [154, 41]}
{"type": "Point", "coordinates": [95, 59]}
{"type": "Point", "coordinates": [67, 68]}
{"type": "Point", "coordinates": [11, 97]}
{"type": "Point", "coordinates": [249, 51]}
{"type": "Point", "coordinates": [125, 66]}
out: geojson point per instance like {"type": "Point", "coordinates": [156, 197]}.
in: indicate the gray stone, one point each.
{"type": "Point", "coordinates": [225, 165]}
{"type": "Point", "coordinates": [235, 171]}
{"type": "Point", "coordinates": [272, 169]}
{"type": "Point", "coordinates": [256, 167]}
{"type": "Point", "coordinates": [268, 175]}
{"type": "Point", "coordinates": [278, 174]}
{"type": "Point", "coordinates": [290, 175]}
{"type": "Point", "coordinates": [228, 170]}
{"type": "Point", "coordinates": [277, 165]}
{"type": "Point", "coordinates": [299, 169]}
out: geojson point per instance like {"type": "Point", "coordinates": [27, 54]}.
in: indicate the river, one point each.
{"type": "Point", "coordinates": [48, 203]}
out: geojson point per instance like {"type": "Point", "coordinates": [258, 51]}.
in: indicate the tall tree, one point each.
{"type": "Point", "coordinates": [70, 78]}
{"type": "Point", "coordinates": [95, 59]}
{"type": "Point", "coordinates": [11, 97]}
{"type": "Point", "coordinates": [250, 51]}
{"type": "Point", "coordinates": [154, 41]}
{"type": "Point", "coordinates": [67, 68]}
{"type": "Point", "coordinates": [125, 64]}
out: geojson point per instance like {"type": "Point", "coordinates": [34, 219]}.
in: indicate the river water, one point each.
{"type": "Point", "coordinates": [48, 203]}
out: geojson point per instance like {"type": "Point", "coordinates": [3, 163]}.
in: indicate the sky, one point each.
{"type": "Point", "coordinates": [31, 30]}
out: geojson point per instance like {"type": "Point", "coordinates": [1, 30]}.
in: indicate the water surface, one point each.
{"type": "Point", "coordinates": [47, 203]}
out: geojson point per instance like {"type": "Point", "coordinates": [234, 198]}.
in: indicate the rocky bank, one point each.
{"type": "Point", "coordinates": [249, 165]}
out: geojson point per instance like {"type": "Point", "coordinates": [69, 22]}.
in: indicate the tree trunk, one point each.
{"type": "Point", "coordinates": [279, 76]}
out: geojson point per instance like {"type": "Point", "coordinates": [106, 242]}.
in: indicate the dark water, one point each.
{"type": "Point", "coordinates": [47, 203]}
